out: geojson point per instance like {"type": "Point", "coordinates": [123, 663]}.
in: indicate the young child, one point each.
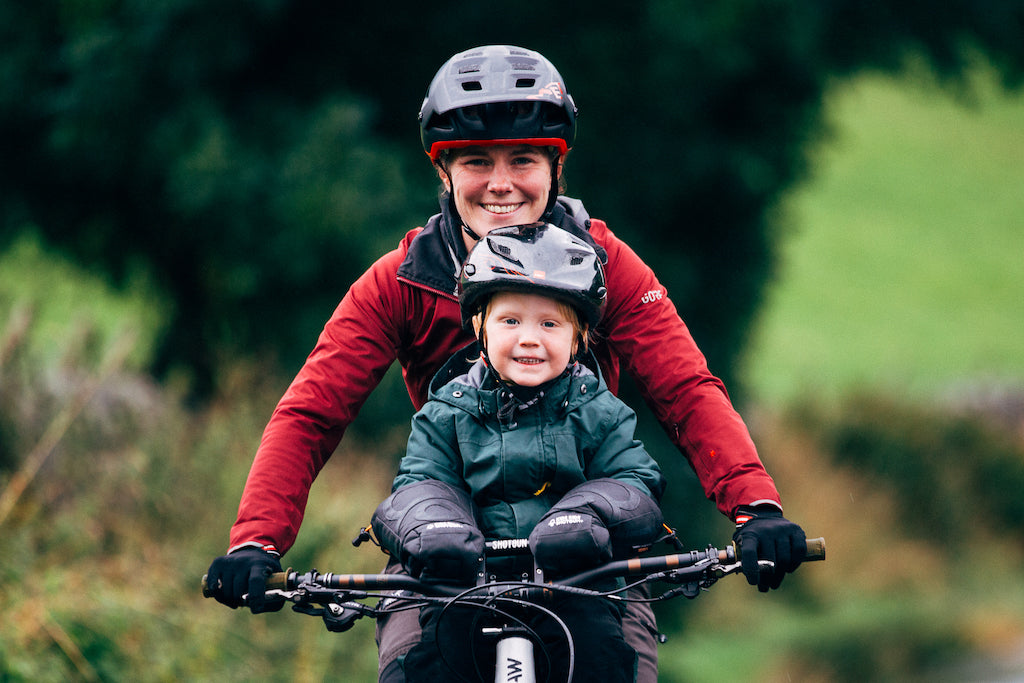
{"type": "Point", "coordinates": [527, 435]}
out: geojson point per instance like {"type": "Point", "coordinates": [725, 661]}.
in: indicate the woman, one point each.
{"type": "Point", "coordinates": [497, 123]}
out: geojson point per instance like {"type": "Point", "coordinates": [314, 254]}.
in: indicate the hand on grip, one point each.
{"type": "Point", "coordinates": [240, 579]}
{"type": "Point", "coordinates": [763, 534]}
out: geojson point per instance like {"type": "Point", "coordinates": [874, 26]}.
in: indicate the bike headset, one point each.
{"type": "Point", "coordinates": [537, 258]}
{"type": "Point", "coordinates": [497, 95]}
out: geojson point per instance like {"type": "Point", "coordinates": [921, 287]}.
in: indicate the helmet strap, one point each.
{"type": "Point", "coordinates": [521, 395]}
{"type": "Point", "coordinates": [451, 204]}
{"type": "Point", "coordinates": [556, 164]}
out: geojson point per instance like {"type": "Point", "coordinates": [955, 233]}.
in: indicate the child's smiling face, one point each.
{"type": "Point", "coordinates": [529, 338]}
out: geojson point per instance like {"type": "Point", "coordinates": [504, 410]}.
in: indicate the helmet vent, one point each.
{"type": "Point", "coordinates": [472, 85]}
{"type": "Point", "coordinates": [525, 82]}
{"type": "Point", "coordinates": [504, 251]}
{"type": "Point", "coordinates": [575, 260]}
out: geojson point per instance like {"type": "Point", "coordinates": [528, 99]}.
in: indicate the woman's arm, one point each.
{"type": "Point", "coordinates": [643, 329]}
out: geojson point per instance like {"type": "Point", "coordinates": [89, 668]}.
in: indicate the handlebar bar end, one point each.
{"type": "Point", "coordinates": [815, 549]}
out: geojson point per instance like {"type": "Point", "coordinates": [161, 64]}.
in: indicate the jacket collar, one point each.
{"type": "Point", "coordinates": [436, 254]}
{"type": "Point", "coordinates": [463, 382]}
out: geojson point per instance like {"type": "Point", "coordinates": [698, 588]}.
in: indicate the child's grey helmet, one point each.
{"type": "Point", "coordinates": [494, 95]}
{"type": "Point", "coordinates": [538, 258]}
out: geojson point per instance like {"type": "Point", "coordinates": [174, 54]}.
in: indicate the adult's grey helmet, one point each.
{"type": "Point", "coordinates": [497, 95]}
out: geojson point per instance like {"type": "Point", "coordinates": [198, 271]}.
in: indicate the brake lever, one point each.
{"type": "Point", "coordinates": [693, 573]}
{"type": "Point", "coordinates": [309, 593]}
{"type": "Point", "coordinates": [691, 580]}
{"type": "Point", "coordinates": [726, 569]}
{"type": "Point", "coordinates": [290, 596]}
{"type": "Point", "coordinates": [701, 576]}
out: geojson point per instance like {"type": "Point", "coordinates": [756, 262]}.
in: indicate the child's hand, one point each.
{"type": "Point", "coordinates": [430, 528]}
{"type": "Point", "coordinates": [595, 522]}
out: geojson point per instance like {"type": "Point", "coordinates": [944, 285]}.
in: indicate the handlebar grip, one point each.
{"type": "Point", "coordinates": [815, 549]}
{"type": "Point", "coordinates": [277, 580]}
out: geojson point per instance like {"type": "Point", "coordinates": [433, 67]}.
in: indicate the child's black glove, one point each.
{"type": "Point", "coordinates": [430, 528]}
{"type": "Point", "coordinates": [595, 522]}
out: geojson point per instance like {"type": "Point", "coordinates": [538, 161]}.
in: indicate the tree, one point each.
{"type": "Point", "coordinates": [256, 156]}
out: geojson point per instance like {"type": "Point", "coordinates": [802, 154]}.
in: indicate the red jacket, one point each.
{"type": "Point", "coordinates": [404, 307]}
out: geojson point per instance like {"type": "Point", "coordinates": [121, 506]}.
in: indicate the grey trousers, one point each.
{"type": "Point", "coordinates": [399, 631]}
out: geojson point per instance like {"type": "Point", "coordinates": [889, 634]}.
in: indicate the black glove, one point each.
{"type": "Point", "coordinates": [244, 571]}
{"type": "Point", "coordinates": [430, 528]}
{"type": "Point", "coordinates": [595, 522]}
{"type": "Point", "coordinates": [762, 533]}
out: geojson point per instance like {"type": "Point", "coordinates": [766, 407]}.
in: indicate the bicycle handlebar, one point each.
{"type": "Point", "coordinates": [290, 580]}
{"type": "Point", "coordinates": [340, 599]}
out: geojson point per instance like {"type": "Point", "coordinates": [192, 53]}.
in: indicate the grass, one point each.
{"type": "Point", "coordinates": [901, 269]}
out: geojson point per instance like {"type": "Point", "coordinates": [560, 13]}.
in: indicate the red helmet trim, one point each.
{"type": "Point", "coordinates": [435, 149]}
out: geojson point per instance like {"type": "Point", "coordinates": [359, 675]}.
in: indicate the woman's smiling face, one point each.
{"type": "Point", "coordinates": [499, 185]}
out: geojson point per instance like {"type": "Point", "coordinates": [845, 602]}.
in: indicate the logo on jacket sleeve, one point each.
{"type": "Point", "coordinates": [652, 296]}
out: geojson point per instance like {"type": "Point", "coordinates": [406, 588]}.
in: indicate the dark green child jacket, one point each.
{"type": "Point", "coordinates": [515, 468]}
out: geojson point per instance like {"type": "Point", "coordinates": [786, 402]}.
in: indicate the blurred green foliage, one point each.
{"type": "Point", "coordinates": [254, 157]}
{"type": "Point", "coordinates": [58, 305]}
{"type": "Point", "coordinates": [962, 472]}
{"type": "Point", "coordinates": [135, 490]}
{"type": "Point", "coordinates": [900, 265]}
{"type": "Point", "coordinates": [115, 493]}
{"type": "Point", "coordinates": [108, 540]}
{"type": "Point", "coordinates": [221, 172]}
